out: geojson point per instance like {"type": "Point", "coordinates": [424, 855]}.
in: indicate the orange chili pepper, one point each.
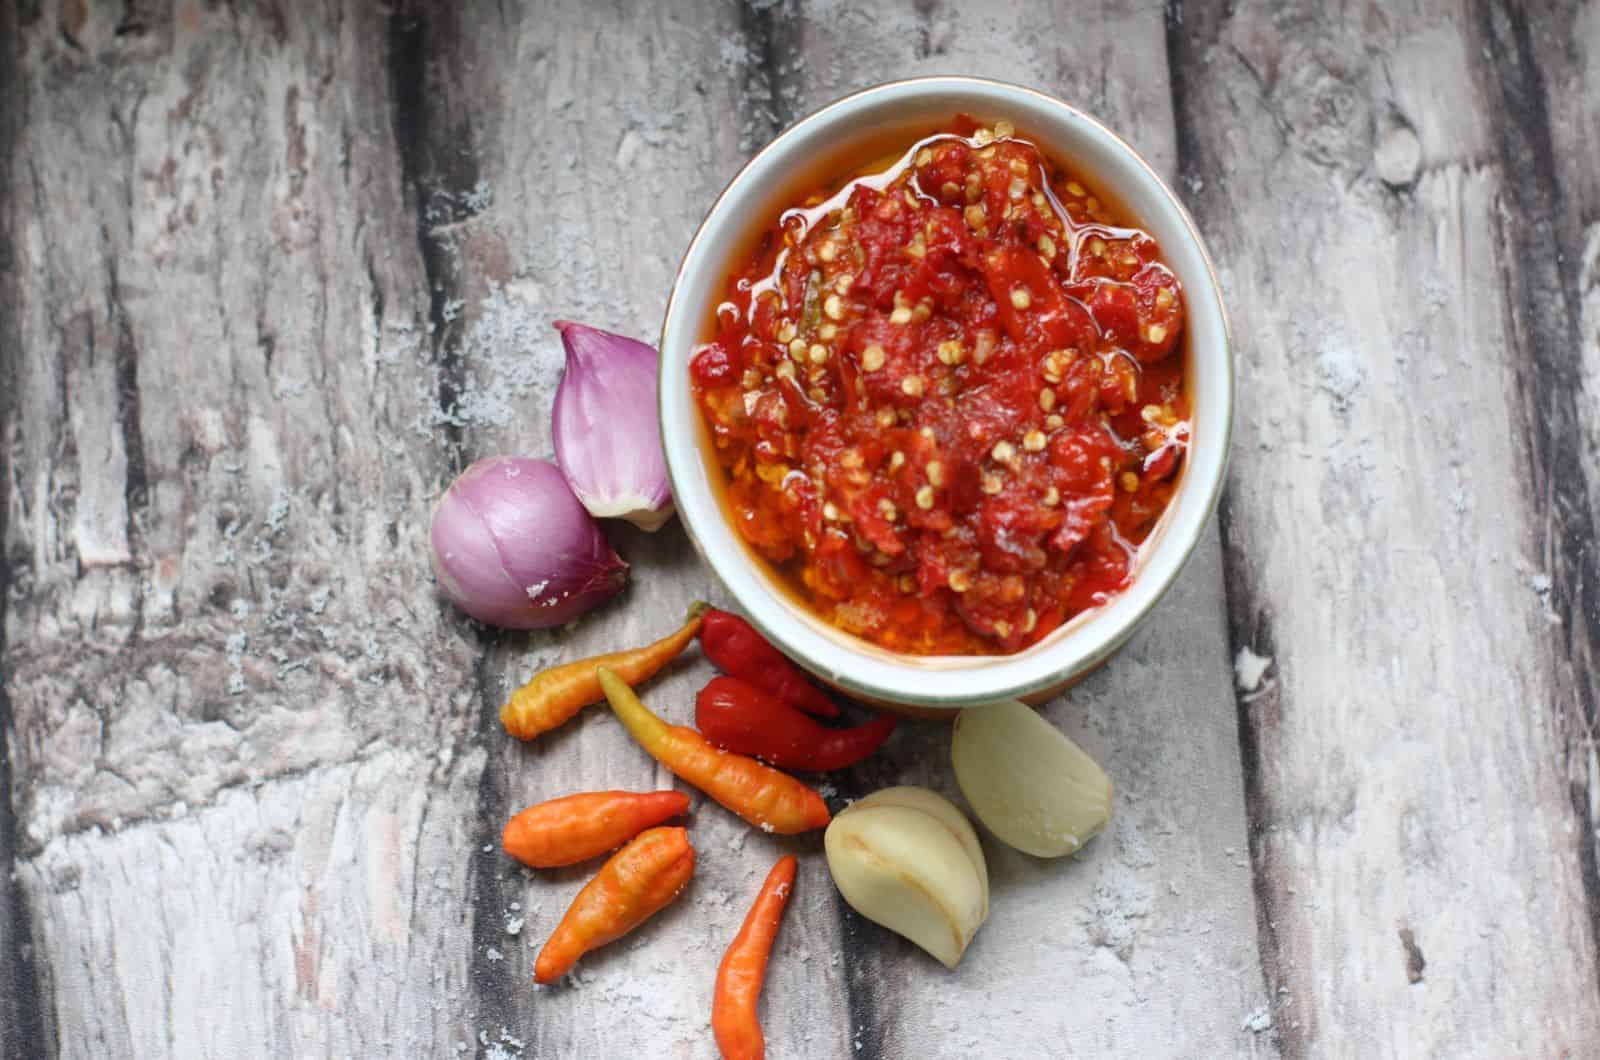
{"type": "Point", "coordinates": [768, 799]}
{"type": "Point", "coordinates": [555, 695]}
{"type": "Point", "coordinates": [576, 828]}
{"type": "Point", "coordinates": [638, 882]}
{"type": "Point", "coordinates": [744, 969]}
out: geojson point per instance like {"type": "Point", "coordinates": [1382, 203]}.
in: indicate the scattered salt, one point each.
{"type": "Point", "coordinates": [1258, 1021]}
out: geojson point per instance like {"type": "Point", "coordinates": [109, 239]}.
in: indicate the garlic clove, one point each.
{"type": "Point", "coordinates": [942, 810]}
{"type": "Point", "coordinates": [607, 428]}
{"type": "Point", "coordinates": [908, 864]}
{"type": "Point", "coordinates": [1027, 782]}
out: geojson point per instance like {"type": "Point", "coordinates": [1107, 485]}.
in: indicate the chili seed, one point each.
{"type": "Point", "coordinates": [1052, 497]}
{"type": "Point", "coordinates": [1017, 189]}
{"type": "Point", "coordinates": [785, 370]}
{"type": "Point", "coordinates": [1097, 247]}
{"type": "Point", "coordinates": [751, 379]}
{"type": "Point", "coordinates": [1053, 421]}
{"type": "Point", "coordinates": [1163, 298]}
{"type": "Point", "coordinates": [1033, 441]}
{"type": "Point", "coordinates": [983, 347]}
{"type": "Point", "coordinates": [850, 458]}
{"type": "Point", "coordinates": [924, 156]}
{"type": "Point", "coordinates": [1002, 629]}
{"type": "Point", "coordinates": [887, 509]}
{"type": "Point", "coordinates": [818, 353]}
{"type": "Point", "coordinates": [911, 385]}
{"type": "Point", "coordinates": [901, 315]}
{"type": "Point", "coordinates": [786, 331]}
{"type": "Point", "coordinates": [1003, 452]}
{"type": "Point", "coordinates": [1047, 246]}
{"type": "Point", "coordinates": [1047, 399]}
{"type": "Point", "coordinates": [926, 432]}
{"type": "Point", "coordinates": [797, 348]}
{"type": "Point", "coordinates": [816, 394]}
{"type": "Point", "coordinates": [844, 283]}
{"type": "Point", "coordinates": [1003, 128]}
{"type": "Point", "coordinates": [872, 358]}
{"type": "Point", "coordinates": [959, 581]}
{"type": "Point", "coordinates": [983, 136]}
{"type": "Point", "coordinates": [897, 460]}
{"type": "Point", "coordinates": [828, 250]}
{"type": "Point", "coordinates": [1074, 187]}
{"type": "Point", "coordinates": [886, 418]}
{"type": "Point", "coordinates": [923, 311]}
{"type": "Point", "coordinates": [833, 307]}
{"type": "Point", "coordinates": [935, 472]}
{"type": "Point", "coordinates": [952, 352]}
{"type": "Point", "coordinates": [976, 218]}
{"type": "Point", "coordinates": [1130, 482]}
{"type": "Point", "coordinates": [1020, 298]}
{"type": "Point", "coordinates": [993, 483]}
{"type": "Point", "coordinates": [1155, 333]}
{"type": "Point", "coordinates": [925, 498]}
{"type": "Point", "coordinates": [906, 583]}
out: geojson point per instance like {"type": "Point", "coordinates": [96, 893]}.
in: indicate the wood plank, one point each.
{"type": "Point", "coordinates": [1144, 944]}
{"type": "Point", "coordinates": [569, 153]}
{"type": "Point", "coordinates": [238, 721]}
{"type": "Point", "coordinates": [1406, 680]}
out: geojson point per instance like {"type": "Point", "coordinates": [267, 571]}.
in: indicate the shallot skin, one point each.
{"type": "Point", "coordinates": [513, 547]}
{"type": "Point", "coordinates": [607, 429]}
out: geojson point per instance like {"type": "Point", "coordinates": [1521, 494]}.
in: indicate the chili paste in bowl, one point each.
{"type": "Point", "coordinates": [947, 393]}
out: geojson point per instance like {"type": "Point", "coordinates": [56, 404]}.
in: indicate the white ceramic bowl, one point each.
{"type": "Point", "coordinates": [750, 202]}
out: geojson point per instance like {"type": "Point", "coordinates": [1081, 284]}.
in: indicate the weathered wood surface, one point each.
{"type": "Point", "coordinates": [1380, 188]}
{"type": "Point", "coordinates": [269, 276]}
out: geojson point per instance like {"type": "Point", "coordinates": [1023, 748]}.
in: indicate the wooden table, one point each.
{"type": "Point", "coordinates": [270, 274]}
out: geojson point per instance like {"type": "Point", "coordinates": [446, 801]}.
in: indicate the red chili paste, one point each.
{"type": "Point", "coordinates": [949, 396]}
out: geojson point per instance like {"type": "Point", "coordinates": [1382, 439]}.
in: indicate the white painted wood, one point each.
{"type": "Point", "coordinates": [1420, 859]}
{"type": "Point", "coordinates": [238, 715]}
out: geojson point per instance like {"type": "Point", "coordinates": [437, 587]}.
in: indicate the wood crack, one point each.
{"type": "Point", "coordinates": [24, 1030]}
{"type": "Point", "coordinates": [1543, 292]}
{"type": "Point", "coordinates": [438, 168]}
{"type": "Point", "coordinates": [767, 100]}
{"type": "Point", "coordinates": [1249, 622]}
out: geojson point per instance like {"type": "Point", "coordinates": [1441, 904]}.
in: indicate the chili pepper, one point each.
{"type": "Point", "coordinates": [768, 799]}
{"type": "Point", "coordinates": [738, 649]}
{"type": "Point", "coordinates": [638, 881]}
{"type": "Point", "coordinates": [744, 968]}
{"type": "Point", "coordinates": [576, 828]}
{"type": "Point", "coordinates": [737, 716]}
{"type": "Point", "coordinates": [556, 694]}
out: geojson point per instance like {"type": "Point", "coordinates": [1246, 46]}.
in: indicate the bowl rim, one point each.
{"type": "Point", "coordinates": [1082, 662]}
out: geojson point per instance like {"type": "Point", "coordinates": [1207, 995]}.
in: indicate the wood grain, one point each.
{"type": "Point", "coordinates": [1392, 548]}
{"type": "Point", "coordinates": [238, 716]}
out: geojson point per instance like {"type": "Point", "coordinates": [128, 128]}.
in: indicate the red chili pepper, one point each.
{"type": "Point", "coordinates": [740, 717]}
{"type": "Point", "coordinates": [737, 649]}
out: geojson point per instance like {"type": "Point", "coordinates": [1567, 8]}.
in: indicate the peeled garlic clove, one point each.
{"type": "Point", "coordinates": [1032, 787]}
{"type": "Point", "coordinates": [942, 810]}
{"type": "Point", "coordinates": [907, 859]}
